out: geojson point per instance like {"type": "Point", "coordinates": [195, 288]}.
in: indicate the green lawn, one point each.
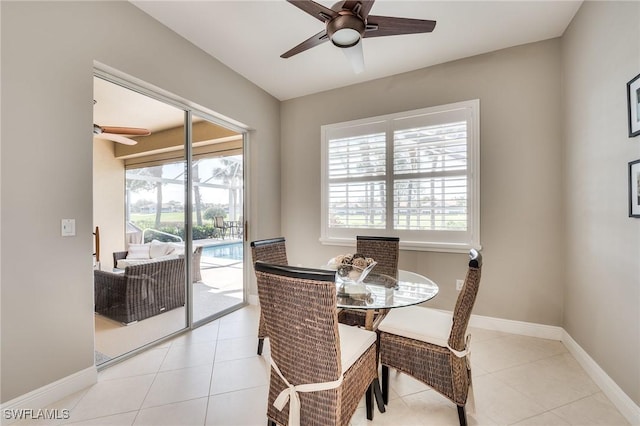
{"type": "Point", "coordinates": [168, 217]}
{"type": "Point", "coordinates": [441, 222]}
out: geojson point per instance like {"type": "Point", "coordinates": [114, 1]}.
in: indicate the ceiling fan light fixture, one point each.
{"type": "Point", "coordinates": [346, 29]}
{"type": "Point", "coordinates": [345, 37]}
{"type": "Point", "coordinates": [349, 21]}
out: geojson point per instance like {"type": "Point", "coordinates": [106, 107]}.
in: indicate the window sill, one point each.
{"type": "Point", "coordinates": [410, 245]}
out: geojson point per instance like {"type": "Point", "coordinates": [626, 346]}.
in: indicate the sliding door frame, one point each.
{"type": "Point", "coordinates": [116, 77]}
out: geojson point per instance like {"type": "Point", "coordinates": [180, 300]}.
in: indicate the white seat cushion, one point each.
{"type": "Point", "coordinates": [178, 248]}
{"type": "Point", "coordinates": [138, 251]}
{"type": "Point", "coordinates": [354, 342]}
{"type": "Point", "coordinates": [414, 322]}
{"type": "Point", "coordinates": [123, 263]}
{"type": "Point", "coordinates": [160, 249]}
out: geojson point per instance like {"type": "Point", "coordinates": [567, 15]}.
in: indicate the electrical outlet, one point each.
{"type": "Point", "coordinates": [459, 284]}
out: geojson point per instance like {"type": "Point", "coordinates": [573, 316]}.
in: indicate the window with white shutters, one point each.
{"type": "Point", "coordinates": [414, 175]}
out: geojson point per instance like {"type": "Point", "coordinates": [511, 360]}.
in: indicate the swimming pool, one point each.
{"type": "Point", "coordinates": [224, 251]}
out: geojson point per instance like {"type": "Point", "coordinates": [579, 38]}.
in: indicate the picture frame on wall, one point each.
{"type": "Point", "coordinates": [633, 106]}
{"type": "Point", "coordinates": [634, 188]}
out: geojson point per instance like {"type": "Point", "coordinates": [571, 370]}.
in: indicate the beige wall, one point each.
{"type": "Point", "coordinates": [48, 54]}
{"type": "Point", "coordinates": [108, 201]}
{"type": "Point", "coordinates": [601, 53]}
{"type": "Point", "coordinates": [521, 179]}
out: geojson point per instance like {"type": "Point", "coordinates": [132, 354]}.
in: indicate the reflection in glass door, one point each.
{"type": "Point", "coordinates": [218, 219]}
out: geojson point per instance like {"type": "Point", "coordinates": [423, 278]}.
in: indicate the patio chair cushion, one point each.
{"type": "Point", "coordinates": [354, 342]}
{"type": "Point", "coordinates": [178, 248]}
{"type": "Point", "coordinates": [123, 263]}
{"type": "Point", "coordinates": [139, 254]}
{"type": "Point", "coordinates": [139, 251]}
{"type": "Point", "coordinates": [160, 249]}
{"type": "Point", "coordinates": [423, 324]}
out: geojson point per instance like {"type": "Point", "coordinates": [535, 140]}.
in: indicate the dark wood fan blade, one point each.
{"type": "Point", "coordinates": [338, 6]}
{"type": "Point", "coordinates": [314, 9]}
{"type": "Point", "coordinates": [379, 26]}
{"type": "Point", "coordinates": [134, 131]}
{"type": "Point", "coordinates": [365, 6]}
{"type": "Point", "coordinates": [313, 41]}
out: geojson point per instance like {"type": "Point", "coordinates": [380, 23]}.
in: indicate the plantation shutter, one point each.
{"type": "Point", "coordinates": [412, 175]}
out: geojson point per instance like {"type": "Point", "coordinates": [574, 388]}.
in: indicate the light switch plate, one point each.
{"type": "Point", "coordinates": [68, 227]}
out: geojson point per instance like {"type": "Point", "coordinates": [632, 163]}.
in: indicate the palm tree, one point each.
{"type": "Point", "coordinates": [229, 170]}
{"type": "Point", "coordinates": [157, 172]}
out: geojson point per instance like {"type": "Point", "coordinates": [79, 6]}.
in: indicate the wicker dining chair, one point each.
{"type": "Point", "coordinates": [320, 369]}
{"type": "Point", "coordinates": [272, 250]}
{"type": "Point", "coordinates": [385, 251]}
{"type": "Point", "coordinates": [432, 346]}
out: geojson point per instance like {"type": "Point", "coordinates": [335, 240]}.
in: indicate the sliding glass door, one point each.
{"type": "Point", "coordinates": [168, 201]}
{"type": "Point", "coordinates": [139, 210]}
{"type": "Point", "coordinates": [218, 219]}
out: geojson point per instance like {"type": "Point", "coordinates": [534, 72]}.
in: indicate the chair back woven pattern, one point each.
{"type": "Point", "coordinates": [274, 251]}
{"type": "Point", "coordinates": [302, 323]}
{"type": "Point", "coordinates": [384, 250]}
{"type": "Point", "coordinates": [270, 251]}
{"type": "Point", "coordinates": [464, 305]}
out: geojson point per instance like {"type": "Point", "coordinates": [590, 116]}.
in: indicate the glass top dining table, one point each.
{"type": "Point", "coordinates": [378, 293]}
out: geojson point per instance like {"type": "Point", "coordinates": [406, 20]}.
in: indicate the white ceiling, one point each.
{"type": "Point", "coordinates": [250, 36]}
{"type": "Point", "coordinates": [118, 106]}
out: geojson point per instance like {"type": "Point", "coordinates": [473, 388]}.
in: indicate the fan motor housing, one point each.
{"type": "Point", "coordinates": [345, 20]}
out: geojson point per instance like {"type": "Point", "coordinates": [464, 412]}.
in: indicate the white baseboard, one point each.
{"type": "Point", "coordinates": [629, 409]}
{"type": "Point", "coordinates": [48, 394]}
{"type": "Point", "coordinates": [517, 327]}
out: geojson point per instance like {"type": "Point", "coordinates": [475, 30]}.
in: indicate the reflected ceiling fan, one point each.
{"type": "Point", "coordinates": [348, 21]}
{"type": "Point", "coordinates": [118, 133]}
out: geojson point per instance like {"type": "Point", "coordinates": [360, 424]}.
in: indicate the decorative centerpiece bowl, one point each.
{"type": "Point", "coordinates": [352, 267]}
{"type": "Point", "coordinates": [351, 270]}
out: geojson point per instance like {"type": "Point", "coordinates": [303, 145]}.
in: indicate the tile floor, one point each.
{"type": "Point", "coordinates": [212, 376]}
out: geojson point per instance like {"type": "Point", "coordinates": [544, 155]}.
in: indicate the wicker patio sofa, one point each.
{"type": "Point", "coordinates": [141, 291]}
{"type": "Point", "coordinates": [197, 255]}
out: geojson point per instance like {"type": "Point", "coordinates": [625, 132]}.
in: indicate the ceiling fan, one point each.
{"type": "Point", "coordinates": [117, 133]}
{"type": "Point", "coordinates": [348, 22]}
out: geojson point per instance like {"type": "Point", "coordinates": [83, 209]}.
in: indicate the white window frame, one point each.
{"type": "Point", "coordinates": [441, 241]}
